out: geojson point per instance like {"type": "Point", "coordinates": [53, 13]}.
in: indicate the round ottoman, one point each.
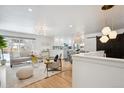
{"type": "Point", "coordinates": [24, 73]}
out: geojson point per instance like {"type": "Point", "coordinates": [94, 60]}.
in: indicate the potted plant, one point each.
{"type": "Point", "coordinates": [3, 44]}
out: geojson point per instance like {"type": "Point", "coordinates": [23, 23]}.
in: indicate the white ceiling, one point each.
{"type": "Point", "coordinates": [87, 19]}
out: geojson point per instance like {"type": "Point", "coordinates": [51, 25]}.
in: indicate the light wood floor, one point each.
{"type": "Point", "coordinates": [60, 80]}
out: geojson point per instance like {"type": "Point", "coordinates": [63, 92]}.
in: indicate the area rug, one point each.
{"type": "Point", "coordinates": [39, 74]}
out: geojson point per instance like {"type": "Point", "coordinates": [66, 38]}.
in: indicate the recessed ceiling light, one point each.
{"type": "Point", "coordinates": [29, 9]}
{"type": "Point", "coordinates": [70, 26]}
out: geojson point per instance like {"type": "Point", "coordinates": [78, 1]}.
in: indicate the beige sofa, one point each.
{"type": "Point", "coordinates": [16, 61]}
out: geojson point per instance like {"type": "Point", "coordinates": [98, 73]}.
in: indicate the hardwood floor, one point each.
{"type": "Point", "coordinates": [60, 80]}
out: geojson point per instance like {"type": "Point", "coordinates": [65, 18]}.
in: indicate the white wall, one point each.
{"type": "Point", "coordinates": [90, 44]}
{"type": "Point", "coordinates": [90, 40]}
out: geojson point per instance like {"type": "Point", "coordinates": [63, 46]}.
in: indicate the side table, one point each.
{"type": "Point", "coordinates": [47, 63]}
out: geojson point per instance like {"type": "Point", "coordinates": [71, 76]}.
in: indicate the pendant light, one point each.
{"type": "Point", "coordinates": [104, 39]}
{"type": "Point", "coordinates": [106, 31]}
{"type": "Point", "coordinates": [113, 35]}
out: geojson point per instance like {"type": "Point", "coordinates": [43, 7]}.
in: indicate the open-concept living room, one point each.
{"type": "Point", "coordinates": [61, 46]}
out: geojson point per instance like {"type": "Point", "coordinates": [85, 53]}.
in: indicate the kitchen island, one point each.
{"type": "Point", "coordinates": [91, 70]}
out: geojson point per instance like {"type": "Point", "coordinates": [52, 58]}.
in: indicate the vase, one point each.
{"type": "Point", "coordinates": [3, 62]}
{"type": "Point", "coordinates": [35, 64]}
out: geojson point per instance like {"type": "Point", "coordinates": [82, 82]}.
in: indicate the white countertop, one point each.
{"type": "Point", "coordinates": [97, 57]}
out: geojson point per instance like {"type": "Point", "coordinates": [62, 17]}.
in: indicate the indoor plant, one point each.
{"type": "Point", "coordinates": [3, 44]}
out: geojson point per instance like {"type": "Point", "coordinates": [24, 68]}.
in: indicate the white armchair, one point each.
{"type": "Point", "coordinates": [56, 65]}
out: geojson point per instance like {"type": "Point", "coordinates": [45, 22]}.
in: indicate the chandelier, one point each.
{"type": "Point", "coordinates": [41, 29]}
{"type": "Point", "coordinates": [107, 32]}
